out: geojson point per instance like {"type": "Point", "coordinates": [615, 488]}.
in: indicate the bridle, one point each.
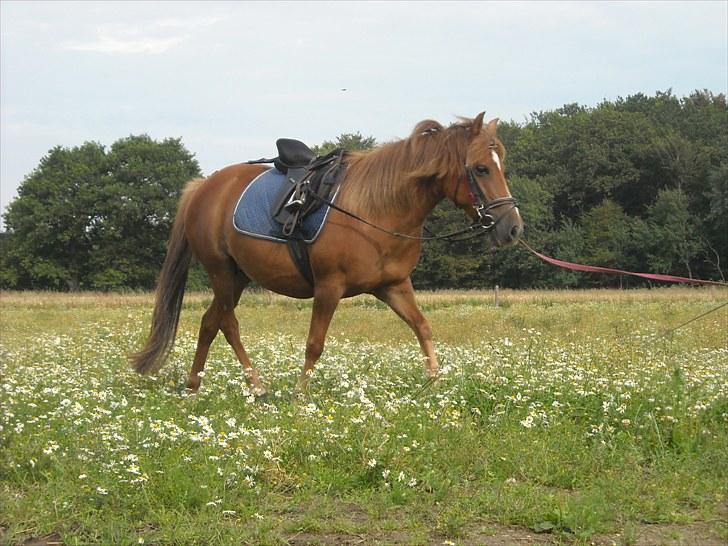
{"type": "Point", "coordinates": [480, 203]}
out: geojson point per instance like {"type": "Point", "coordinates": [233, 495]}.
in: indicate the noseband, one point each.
{"type": "Point", "coordinates": [481, 204]}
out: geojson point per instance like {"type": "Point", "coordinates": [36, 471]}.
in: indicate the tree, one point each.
{"type": "Point", "coordinates": [348, 141]}
{"type": "Point", "coordinates": [672, 239]}
{"type": "Point", "coordinates": [716, 220]}
{"type": "Point", "coordinates": [51, 223]}
{"type": "Point", "coordinates": [92, 219]}
{"type": "Point", "coordinates": [137, 209]}
{"type": "Point", "coordinates": [606, 230]}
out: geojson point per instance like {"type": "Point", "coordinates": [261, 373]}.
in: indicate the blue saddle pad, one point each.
{"type": "Point", "coordinates": [254, 215]}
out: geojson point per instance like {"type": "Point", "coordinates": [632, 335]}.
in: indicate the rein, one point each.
{"type": "Point", "coordinates": [612, 271]}
{"type": "Point", "coordinates": [482, 206]}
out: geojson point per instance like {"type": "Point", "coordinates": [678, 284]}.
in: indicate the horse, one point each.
{"type": "Point", "coordinates": [370, 243]}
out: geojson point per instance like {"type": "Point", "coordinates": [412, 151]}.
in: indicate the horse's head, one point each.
{"type": "Point", "coordinates": [481, 190]}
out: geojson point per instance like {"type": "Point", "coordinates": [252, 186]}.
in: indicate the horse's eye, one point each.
{"type": "Point", "coordinates": [481, 170]}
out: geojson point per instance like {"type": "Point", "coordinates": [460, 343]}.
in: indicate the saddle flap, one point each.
{"type": "Point", "coordinates": [293, 153]}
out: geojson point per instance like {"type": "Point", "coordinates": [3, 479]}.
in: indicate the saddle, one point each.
{"type": "Point", "coordinates": [311, 181]}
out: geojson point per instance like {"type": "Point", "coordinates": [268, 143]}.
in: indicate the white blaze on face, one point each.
{"type": "Point", "coordinates": [496, 160]}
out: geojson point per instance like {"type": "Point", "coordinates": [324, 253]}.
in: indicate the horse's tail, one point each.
{"type": "Point", "coordinates": [170, 291]}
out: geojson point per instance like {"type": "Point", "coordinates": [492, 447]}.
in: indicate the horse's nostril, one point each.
{"type": "Point", "coordinates": [516, 232]}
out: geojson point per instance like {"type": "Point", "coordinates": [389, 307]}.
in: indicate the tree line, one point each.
{"type": "Point", "coordinates": [638, 183]}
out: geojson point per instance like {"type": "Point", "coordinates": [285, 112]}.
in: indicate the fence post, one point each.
{"type": "Point", "coordinates": [496, 299]}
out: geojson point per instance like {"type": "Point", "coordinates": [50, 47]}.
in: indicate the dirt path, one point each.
{"type": "Point", "coordinates": [693, 534]}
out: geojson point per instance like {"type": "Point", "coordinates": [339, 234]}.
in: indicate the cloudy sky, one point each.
{"type": "Point", "coordinates": [231, 77]}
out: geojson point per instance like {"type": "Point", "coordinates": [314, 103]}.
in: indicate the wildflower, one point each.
{"type": "Point", "coordinates": [50, 448]}
{"type": "Point", "coordinates": [372, 463]}
{"type": "Point", "coordinates": [102, 491]}
{"type": "Point", "coordinates": [527, 422]}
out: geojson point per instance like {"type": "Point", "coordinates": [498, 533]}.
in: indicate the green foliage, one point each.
{"type": "Point", "coordinates": [348, 141]}
{"type": "Point", "coordinates": [638, 183]}
{"type": "Point", "coordinates": [95, 219]}
{"type": "Point", "coordinates": [51, 223]}
{"type": "Point", "coordinates": [715, 226]}
{"type": "Point", "coordinates": [672, 242]}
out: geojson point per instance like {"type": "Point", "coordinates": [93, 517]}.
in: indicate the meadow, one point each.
{"type": "Point", "coordinates": [561, 417]}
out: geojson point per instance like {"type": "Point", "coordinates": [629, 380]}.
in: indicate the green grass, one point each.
{"type": "Point", "coordinates": [564, 415]}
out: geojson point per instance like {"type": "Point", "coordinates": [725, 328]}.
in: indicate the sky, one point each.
{"type": "Point", "coordinates": [229, 78]}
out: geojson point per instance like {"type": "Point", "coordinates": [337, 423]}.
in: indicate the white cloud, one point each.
{"type": "Point", "coordinates": [110, 44]}
{"type": "Point", "coordinates": [188, 24]}
{"type": "Point", "coordinates": [153, 38]}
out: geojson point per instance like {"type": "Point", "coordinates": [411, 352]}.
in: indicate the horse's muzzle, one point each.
{"type": "Point", "coordinates": [509, 227]}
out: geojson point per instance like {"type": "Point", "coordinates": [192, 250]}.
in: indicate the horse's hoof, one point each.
{"type": "Point", "coordinates": [262, 398]}
{"type": "Point", "coordinates": [193, 384]}
{"type": "Point", "coordinates": [298, 397]}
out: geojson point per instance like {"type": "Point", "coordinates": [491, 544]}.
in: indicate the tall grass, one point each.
{"type": "Point", "coordinates": [570, 414]}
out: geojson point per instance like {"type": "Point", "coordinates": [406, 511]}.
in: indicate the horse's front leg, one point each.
{"type": "Point", "coordinates": [401, 298]}
{"type": "Point", "coordinates": [325, 300]}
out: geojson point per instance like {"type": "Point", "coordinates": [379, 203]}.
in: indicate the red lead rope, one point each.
{"type": "Point", "coordinates": [595, 269]}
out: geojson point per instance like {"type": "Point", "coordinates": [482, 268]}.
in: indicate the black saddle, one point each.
{"type": "Point", "coordinates": [292, 154]}
{"type": "Point", "coordinates": [312, 181]}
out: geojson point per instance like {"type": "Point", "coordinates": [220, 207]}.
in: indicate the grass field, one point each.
{"type": "Point", "coordinates": [560, 418]}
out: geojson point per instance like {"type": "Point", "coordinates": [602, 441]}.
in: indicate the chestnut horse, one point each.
{"type": "Point", "coordinates": [393, 187]}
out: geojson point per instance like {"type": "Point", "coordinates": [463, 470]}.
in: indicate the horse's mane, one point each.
{"type": "Point", "coordinates": [389, 177]}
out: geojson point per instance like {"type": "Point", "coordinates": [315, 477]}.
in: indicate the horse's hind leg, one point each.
{"type": "Point", "coordinates": [227, 284]}
{"type": "Point", "coordinates": [401, 298]}
{"type": "Point", "coordinates": [209, 326]}
{"type": "Point", "coordinates": [231, 330]}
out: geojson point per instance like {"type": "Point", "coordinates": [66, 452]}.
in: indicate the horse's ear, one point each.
{"type": "Point", "coordinates": [477, 125]}
{"type": "Point", "coordinates": [492, 126]}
